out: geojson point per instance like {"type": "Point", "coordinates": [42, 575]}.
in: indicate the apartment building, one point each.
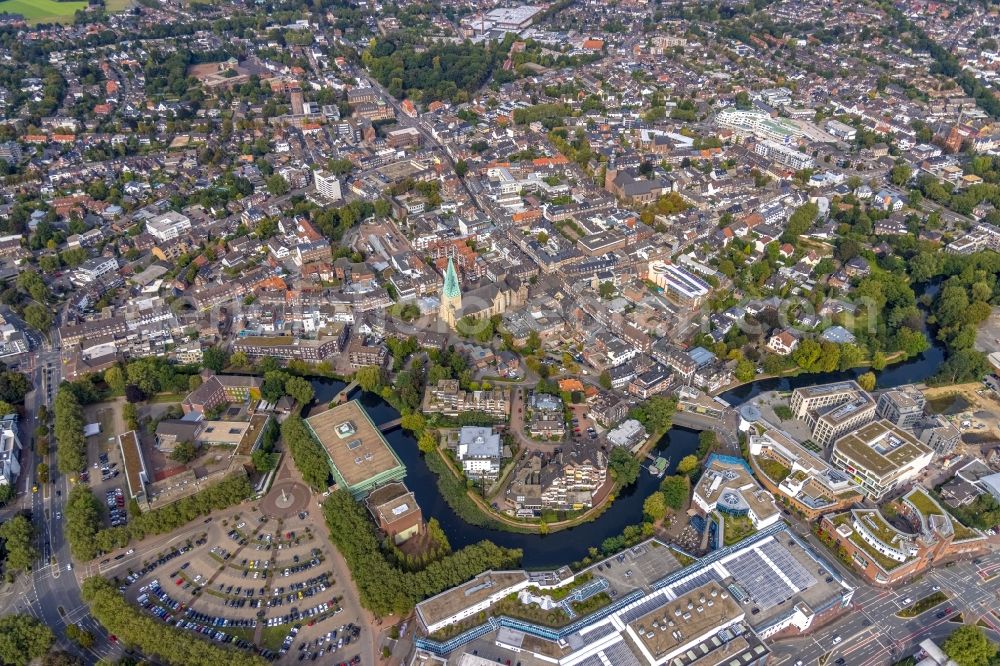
{"type": "Point", "coordinates": [10, 446]}
{"type": "Point", "coordinates": [447, 398]}
{"type": "Point", "coordinates": [480, 451]}
{"type": "Point", "coordinates": [287, 348]}
{"type": "Point", "coordinates": [168, 225]}
{"type": "Point", "coordinates": [903, 406]}
{"type": "Point", "coordinates": [880, 456]}
{"type": "Point", "coordinates": [327, 185]}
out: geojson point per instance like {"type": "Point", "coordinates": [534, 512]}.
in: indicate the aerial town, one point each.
{"type": "Point", "coordinates": [522, 332]}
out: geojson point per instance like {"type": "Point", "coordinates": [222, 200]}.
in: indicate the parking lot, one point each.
{"type": "Point", "coordinates": [259, 583]}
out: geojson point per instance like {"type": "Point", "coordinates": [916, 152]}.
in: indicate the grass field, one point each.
{"type": "Point", "coordinates": [50, 11]}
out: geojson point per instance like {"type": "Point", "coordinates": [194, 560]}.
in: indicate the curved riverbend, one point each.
{"type": "Point", "coordinates": [559, 548]}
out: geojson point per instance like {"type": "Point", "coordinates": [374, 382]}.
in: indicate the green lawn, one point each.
{"type": "Point", "coordinates": [50, 11]}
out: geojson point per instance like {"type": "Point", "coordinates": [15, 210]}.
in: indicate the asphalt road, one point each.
{"type": "Point", "coordinates": [52, 592]}
{"type": "Point", "coordinates": [872, 634]}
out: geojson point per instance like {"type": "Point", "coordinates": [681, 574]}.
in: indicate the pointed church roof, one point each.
{"type": "Point", "coordinates": [451, 286]}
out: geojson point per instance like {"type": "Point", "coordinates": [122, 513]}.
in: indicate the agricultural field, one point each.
{"type": "Point", "coordinates": [50, 11]}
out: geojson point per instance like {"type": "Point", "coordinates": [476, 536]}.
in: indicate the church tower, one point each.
{"type": "Point", "coordinates": [451, 296]}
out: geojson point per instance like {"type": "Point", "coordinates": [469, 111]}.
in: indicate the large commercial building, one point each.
{"type": "Point", "coordinates": [728, 486]}
{"type": "Point", "coordinates": [758, 124]}
{"type": "Point", "coordinates": [879, 456]}
{"type": "Point", "coordinates": [681, 285]}
{"type": "Point", "coordinates": [360, 458]}
{"type": "Point", "coordinates": [832, 410]}
{"type": "Point", "coordinates": [811, 484]}
{"type": "Point", "coordinates": [718, 610]}
{"type": "Point", "coordinates": [924, 534]}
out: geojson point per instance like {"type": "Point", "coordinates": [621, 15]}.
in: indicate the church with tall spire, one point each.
{"type": "Point", "coordinates": [451, 296]}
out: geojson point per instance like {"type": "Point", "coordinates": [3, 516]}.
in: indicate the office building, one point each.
{"type": "Point", "coordinates": [832, 410]}
{"type": "Point", "coordinates": [880, 456]}
{"type": "Point", "coordinates": [359, 456]}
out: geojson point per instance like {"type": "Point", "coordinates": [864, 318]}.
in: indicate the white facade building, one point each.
{"type": "Point", "coordinates": [327, 185]}
{"type": "Point", "coordinates": [167, 226]}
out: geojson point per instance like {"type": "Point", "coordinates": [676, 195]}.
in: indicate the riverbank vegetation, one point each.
{"type": "Point", "coordinates": [384, 588]}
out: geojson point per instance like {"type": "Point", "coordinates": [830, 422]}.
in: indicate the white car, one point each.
{"type": "Point", "coordinates": [837, 639]}
{"type": "Point", "coordinates": [907, 601]}
{"type": "Point", "coordinates": [935, 588]}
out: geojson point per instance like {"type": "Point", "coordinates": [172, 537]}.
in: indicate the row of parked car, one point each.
{"type": "Point", "coordinates": [115, 498]}
{"type": "Point", "coordinates": [163, 559]}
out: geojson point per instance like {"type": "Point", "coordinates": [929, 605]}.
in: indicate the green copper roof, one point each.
{"type": "Point", "coordinates": [451, 287]}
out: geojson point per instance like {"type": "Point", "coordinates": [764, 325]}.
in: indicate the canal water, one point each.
{"type": "Point", "coordinates": [559, 548]}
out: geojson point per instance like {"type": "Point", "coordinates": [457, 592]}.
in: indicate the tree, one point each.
{"type": "Point", "coordinates": [688, 465]}
{"type": "Point", "coordinates": [22, 639]}
{"type": "Point", "coordinates": [807, 353]}
{"type": "Point", "coordinates": [308, 455]}
{"type": "Point", "coordinates": [605, 380]}
{"type": "Point", "coordinates": [969, 646]}
{"type": "Point", "coordinates": [428, 441]}
{"type": "Point", "coordinates": [38, 317]}
{"type": "Point", "coordinates": [13, 387]}
{"type": "Point", "coordinates": [299, 389]}
{"type": "Point", "coordinates": [656, 414]}
{"type": "Point", "coordinates": [17, 535]}
{"type": "Point", "coordinates": [900, 173]}
{"type": "Point", "coordinates": [215, 358]}
{"type": "Point", "coordinates": [274, 385]}
{"type": "Point", "coordinates": [239, 359]}
{"type": "Point", "coordinates": [675, 491]}
{"type": "Point", "coordinates": [277, 185]}
{"type": "Point", "coordinates": [184, 452]}
{"type": "Point", "coordinates": [606, 290]}
{"type": "Point", "coordinates": [655, 507]}
{"type": "Point", "coordinates": [79, 635]}
{"type": "Point", "coordinates": [867, 381]}
{"type": "Point", "coordinates": [800, 221]}
{"type": "Point", "coordinates": [130, 414]}
{"type": "Point", "coordinates": [263, 461]}
{"type": "Point", "coordinates": [879, 361]}
{"type": "Point", "coordinates": [623, 465]}
{"type": "Point", "coordinates": [369, 378]}
{"type": "Point", "coordinates": [743, 100]}
{"type": "Point", "coordinates": [745, 370]}
{"type": "Point", "coordinates": [42, 473]}
{"type": "Point", "coordinates": [159, 642]}
{"type": "Point", "coordinates": [70, 443]}
{"type": "Point", "coordinates": [461, 168]}
{"type": "Point", "coordinates": [115, 379]}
